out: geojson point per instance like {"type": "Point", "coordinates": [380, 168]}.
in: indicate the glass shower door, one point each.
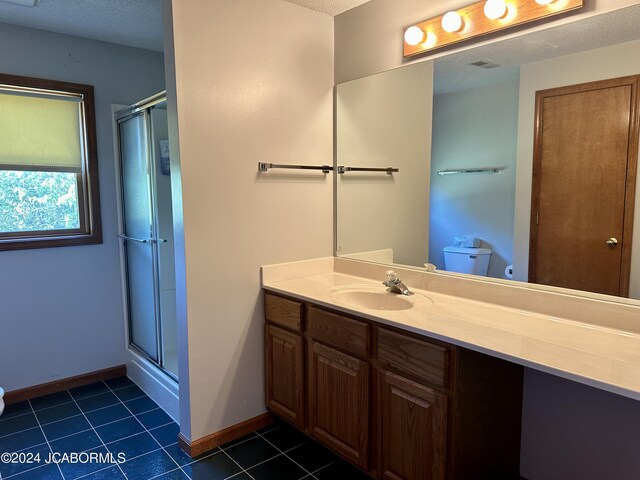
{"type": "Point", "coordinates": [138, 229]}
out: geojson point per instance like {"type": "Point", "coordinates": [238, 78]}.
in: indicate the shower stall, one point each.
{"type": "Point", "coordinates": [146, 232]}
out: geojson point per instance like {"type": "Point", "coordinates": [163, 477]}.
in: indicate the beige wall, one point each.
{"type": "Point", "coordinates": [263, 97]}
{"type": "Point", "coordinates": [368, 38]}
{"type": "Point", "coordinates": [385, 121]}
{"type": "Point", "coordinates": [602, 63]}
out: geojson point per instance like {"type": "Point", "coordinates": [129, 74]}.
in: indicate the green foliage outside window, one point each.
{"type": "Point", "coordinates": [36, 201]}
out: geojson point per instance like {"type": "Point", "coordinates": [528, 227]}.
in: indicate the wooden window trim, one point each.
{"type": "Point", "coordinates": [90, 231]}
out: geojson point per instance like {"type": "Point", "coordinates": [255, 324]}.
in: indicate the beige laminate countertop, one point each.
{"type": "Point", "coordinates": [599, 356]}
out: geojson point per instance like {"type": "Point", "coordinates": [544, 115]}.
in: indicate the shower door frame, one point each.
{"type": "Point", "coordinates": [142, 108]}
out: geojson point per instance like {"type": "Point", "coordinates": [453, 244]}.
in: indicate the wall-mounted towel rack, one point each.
{"type": "Point", "coordinates": [471, 170]}
{"type": "Point", "coordinates": [263, 167]}
{"type": "Point", "coordinates": [388, 170]}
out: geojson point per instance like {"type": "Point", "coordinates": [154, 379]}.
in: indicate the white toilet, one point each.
{"type": "Point", "coordinates": [467, 260]}
{"type": "Point", "coordinates": [1, 400]}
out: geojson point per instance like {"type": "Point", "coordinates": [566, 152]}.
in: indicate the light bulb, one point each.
{"type": "Point", "coordinates": [414, 35]}
{"type": "Point", "coordinates": [431, 40]}
{"type": "Point", "coordinates": [495, 9]}
{"type": "Point", "coordinates": [544, 2]}
{"type": "Point", "coordinates": [451, 22]}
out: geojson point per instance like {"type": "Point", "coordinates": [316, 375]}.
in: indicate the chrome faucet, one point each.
{"type": "Point", "coordinates": [394, 284]}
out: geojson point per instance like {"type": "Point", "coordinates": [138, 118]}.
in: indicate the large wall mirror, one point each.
{"type": "Point", "coordinates": [516, 160]}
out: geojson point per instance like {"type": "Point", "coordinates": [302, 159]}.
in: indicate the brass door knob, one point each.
{"type": "Point", "coordinates": [612, 242]}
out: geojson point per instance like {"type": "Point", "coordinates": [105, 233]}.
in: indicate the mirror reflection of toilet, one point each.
{"type": "Point", "coordinates": [467, 260]}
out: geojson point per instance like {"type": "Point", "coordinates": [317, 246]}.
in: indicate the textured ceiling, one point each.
{"type": "Point", "coordinates": [136, 23]}
{"type": "Point", "coordinates": [330, 7]}
{"type": "Point", "coordinates": [453, 72]}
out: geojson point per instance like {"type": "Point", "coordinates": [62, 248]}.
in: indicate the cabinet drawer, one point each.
{"type": "Point", "coordinates": [281, 311]}
{"type": "Point", "coordinates": [342, 332]}
{"type": "Point", "coordinates": [412, 356]}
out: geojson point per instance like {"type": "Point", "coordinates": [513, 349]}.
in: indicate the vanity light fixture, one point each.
{"type": "Point", "coordinates": [480, 18]}
{"type": "Point", "coordinates": [452, 22]}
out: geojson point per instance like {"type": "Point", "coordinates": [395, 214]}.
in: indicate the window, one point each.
{"type": "Point", "coordinates": [48, 164]}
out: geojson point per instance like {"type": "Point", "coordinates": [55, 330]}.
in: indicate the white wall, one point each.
{"type": "Point", "coordinates": [385, 121]}
{"type": "Point", "coordinates": [475, 128]}
{"type": "Point", "coordinates": [61, 308]}
{"type": "Point", "coordinates": [599, 64]}
{"type": "Point", "coordinates": [240, 100]}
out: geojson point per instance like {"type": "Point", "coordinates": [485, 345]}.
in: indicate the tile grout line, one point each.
{"type": "Point", "coordinates": [115, 421]}
{"type": "Point", "coordinates": [45, 438]}
{"type": "Point", "coordinates": [164, 473]}
{"type": "Point", "coordinates": [32, 446]}
{"type": "Point", "coordinates": [240, 466]}
{"type": "Point", "coordinates": [73, 399]}
{"type": "Point", "coordinates": [239, 443]}
{"type": "Point", "coordinates": [87, 451]}
{"type": "Point", "coordinates": [287, 456]}
{"type": "Point", "coordinates": [97, 434]}
{"type": "Point", "coordinates": [82, 414]}
{"type": "Point", "coordinates": [236, 474]}
{"type": "Point", "coordinates": [154, 438]}
{"type": "Point", "coordinates": [132, 458]}
{"type": "Point", "coordinates": [14, 416]}
{"type": "Point", "coordinates": [133, 434]}
{"type": "Point", "coordinates": [34, 412]}
{"type": "Point", "coordinates": [319, 469]}
{"type": "Point", "coordinates": [62, 420]}
{"type": "Point", "coordinates": [23, 472]}
{"type": "Point", "coordinates": [19, 431]}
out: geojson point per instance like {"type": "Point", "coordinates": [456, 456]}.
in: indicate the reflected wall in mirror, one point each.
{"type": "Point", "coordinates": [476, 110]}
{"type": "Point", "coordinates": [383, 123]}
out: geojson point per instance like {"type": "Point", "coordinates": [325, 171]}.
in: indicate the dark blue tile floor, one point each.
{"type": "Point", "coordinates": [118, 432]}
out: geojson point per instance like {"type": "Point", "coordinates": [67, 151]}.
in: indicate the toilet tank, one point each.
{"type": "Point", "coordinates": [467, 260]}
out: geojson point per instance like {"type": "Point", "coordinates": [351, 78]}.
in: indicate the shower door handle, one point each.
{"type": "Point", "coordinates": [139, 240]}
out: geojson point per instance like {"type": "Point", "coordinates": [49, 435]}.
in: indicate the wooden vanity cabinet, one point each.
{"type": "Point", "coordinates": [398, 405]}
{"type": "Point", "coordinates": [412, 378]}
{"type": "Point", "coordinates": [413, 429]}
{"type": "Point", "coordinates": [284, 360]}
{"type": "Point", "coordinates": [339, 402]}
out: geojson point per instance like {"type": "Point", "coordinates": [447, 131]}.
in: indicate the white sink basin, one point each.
{"type": "Point", "coordinates": [375, 298]}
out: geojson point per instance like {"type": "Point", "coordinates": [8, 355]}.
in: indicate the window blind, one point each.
{"type": "Point", "coordinates": [40, 131]}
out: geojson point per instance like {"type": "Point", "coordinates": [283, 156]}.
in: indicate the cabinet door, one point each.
{"type": "Point", "coordinates": [412, 421]}
{"type": "Point", "coordinates": [339, 402]}
{"type": "Point", "coordinates": [284, 363]}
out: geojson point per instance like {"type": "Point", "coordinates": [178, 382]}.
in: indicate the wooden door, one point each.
{"type": "Point", "coordinates": [339, 402]}
{"type": "Point", "coordinates": [584, 177]}
{"type": "Point", "coordinates": [413, 422]}
{"type": "Point", "coordinates": [284, 379]}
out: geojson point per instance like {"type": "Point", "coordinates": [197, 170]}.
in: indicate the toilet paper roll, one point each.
{"type": "Point", "coordinates": [508, 272]}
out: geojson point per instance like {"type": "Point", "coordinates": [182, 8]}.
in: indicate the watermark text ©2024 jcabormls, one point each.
{"type": "Point", "coordinates": [56, 457]}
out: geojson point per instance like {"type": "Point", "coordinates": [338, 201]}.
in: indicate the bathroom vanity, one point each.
{"type": "Point", "coordinates": [428, 386]}
{"type": "Point", "coordinates": [396, 404]}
